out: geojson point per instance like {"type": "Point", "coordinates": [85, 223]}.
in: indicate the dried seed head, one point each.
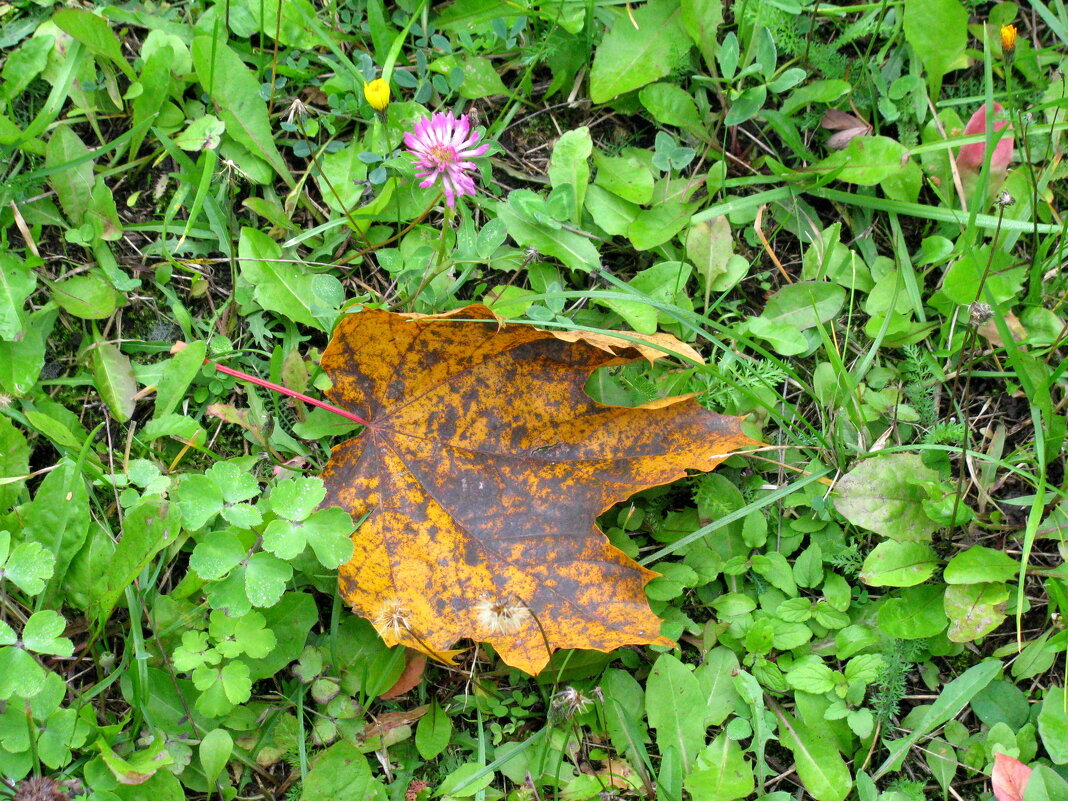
{"type": "Point", "coordinates": [5, 400]}
{"type": "Point", "coordinates": [1005, 199]}
{"type": "Point", "coordinates": [979, 313]}
{"type": "Point", "coordinates": [505, 615]}
{"type": "Point", "coordinates": [566, 704]}
{"type": "Point", "coordinates": [392, 617]}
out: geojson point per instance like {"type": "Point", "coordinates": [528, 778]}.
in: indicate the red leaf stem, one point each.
{"type": "Point", "coordinates": [286, 391]}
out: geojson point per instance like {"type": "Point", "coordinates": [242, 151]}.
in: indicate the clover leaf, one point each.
{"type": "Point", "coordinates": [28, 566]}
{"type": "Point", "coordinates": [299, 525]}
{"type": "Point", "coordinates": [43, 634]}
{"type": "Point", "coordinates": [221, 490]}
{"type": "Point", "coordinates": [222, 688]}
{"type": "Point", "coordinates": [247, 634]}
{"type": "Point", "coordinates": [194, 652]}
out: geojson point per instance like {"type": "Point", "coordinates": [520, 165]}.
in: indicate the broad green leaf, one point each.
{"type": "Point", "coordinates": [710, 245]}
{"type": "Point", "coordinates": [818, 763]}
{"type": "Point", "coordinates": [155, 81]}
{"type": "Point", "coordinates": [624, 705]}
{"type": "Point", "coordinates": [178, 374]}
{"type": "Point", "coordinates": [634, 53]}
{"type": "Point", "coordinates": [721, 773]}
{"type": "Point", "coordinates": [574, 250]}
{"type": "Point", "coordinates": [625, 175]}
{"type": "Point", "coordinates": [329, 535]}
{"type": "Point", "coordinates": [204, 133]}
{"type": "Point", "coordinates": [811, 675]}
{"type": "Point", "coordinates": [341, 771]}
{"type": "Point", "coordinates": [672, 105]}
{"type": "Point", "coordinates": [663, 282]}
{"type": "Point", "coordinates": [73, 182]}
{"type": "Point", "coordinates": [883, 495]}
{"type": "Point", "coordinates": [899, 564]}
{"type": "Point", "coordinates": [140, 766]}
{"type": "Point", "coordinates": [785, 339]}
{"type": "Point", "coordinates": [236, 95]}
{"type": "Point", "coordinates": [655, 226]}
{"type": "Point", "coordinates": [97, 36]}
{"type": "Point", "coordinates": [866, 160]}
{"type": "Point", "coordinates": [953, 698]}
{"type": "Point", "coordinates": [433, 732]}
{"type": "Point", "coordinates": [1053, 725]}
{"type": "Point", "coordinates": [609, 211]}
{"type": "Point", "coordinates": [58, 517]}
{"type": "Point", "coordinates": [701, 20]}
{"type": "Point", "coordinates": [481, 79]}
{"type": "Point", "coordinates": [461, 782]}
{"type": "Point", "coordinates": [805, 304]}
{"type": "Point", "coordinates": [25, 64]}
{"type": "Point", "coordinates": [17, 283]}
{"type": "Point", "coordinates": [88, 295]}
{"type": "Point", "coordinates": [201, 499]}
{"type": "Point", "coordinates": [937, 31]}
{"type": "Point", "coordinates": [914, 613]}
{"type": "Point", "coordinates": [974, 610]}
{"type": "Point", "coordinates": [14, 462]}
{"type": "Point", "coordinates": [114, 379]}
{"type": "Point", "coordinates": [1045, 784]}
{"type": "Point", "coordinates": [280, 287]}
{"type": "Point", "coordinates": [715, 675]}
{"type": "Point", "coordinates": [21, 362]}
{"type": "Point", "coordinates": [291, 620]}
{"type": "Point", "coordinates": [215, 750]}
{"type": "Point", "coordinates": [979, 564]}
{"type": "Point", "coordinates": [148, 528]}
{"type": "Point", "coordinates": [675, 708]}
{"type": "Point", "coordinates": [569, 166]}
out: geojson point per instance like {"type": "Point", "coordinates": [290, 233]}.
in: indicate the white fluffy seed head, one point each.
{"type": "Point", "coordinates": [505, 615]}
{"type": "Point", "coordinates": [392, 617]}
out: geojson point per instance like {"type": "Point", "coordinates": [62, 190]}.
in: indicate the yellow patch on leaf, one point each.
{"type": "Point", "coordinates": [480, 475]}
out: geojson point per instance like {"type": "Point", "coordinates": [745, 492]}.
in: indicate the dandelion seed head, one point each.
{"type": "Point", "coordinates": [501, 615]}
{"type": "Point", "coordinates": [392, 617]}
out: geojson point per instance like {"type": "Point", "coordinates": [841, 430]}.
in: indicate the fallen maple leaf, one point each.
{"type": "Point", "coordinates": [480, 473]}
{"type": "Point", "coordinates": [1009, 778]}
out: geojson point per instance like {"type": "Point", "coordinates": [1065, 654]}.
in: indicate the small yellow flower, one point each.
{"type": "Point", "coordinates": [1008, 38]}
{"type": "Point", "coordinates": [377, 93]}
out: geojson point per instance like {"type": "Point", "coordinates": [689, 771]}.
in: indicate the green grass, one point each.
{"type": "Point", "coordinates": [870, 607]}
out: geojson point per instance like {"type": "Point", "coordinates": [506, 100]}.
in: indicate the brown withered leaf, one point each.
{"type": "Point", "coordinates": [480, 475]}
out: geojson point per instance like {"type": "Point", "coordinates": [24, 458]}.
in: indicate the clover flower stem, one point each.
{"type": "Point", "coordinates": [286, 391]}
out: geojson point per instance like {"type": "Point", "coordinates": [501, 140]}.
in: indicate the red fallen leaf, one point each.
{"type": "Point", "coordinates": [1009, 778]}
{"type": "Point", "coordinates": [972, 156]}
{"type": "Point", "coordinates": [414, 665]}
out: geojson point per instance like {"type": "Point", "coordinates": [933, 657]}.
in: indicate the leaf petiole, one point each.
{"type": "Point", "coordinates": [278, 388]}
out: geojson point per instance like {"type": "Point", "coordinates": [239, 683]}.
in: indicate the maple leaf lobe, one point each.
{"type": "Point", "coordinates": [481, 474]}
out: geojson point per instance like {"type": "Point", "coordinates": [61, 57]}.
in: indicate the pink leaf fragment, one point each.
{"type": "Point", "coordinates": [972, 156]}
{"type": "Point", "coordinates": [1009, 778]}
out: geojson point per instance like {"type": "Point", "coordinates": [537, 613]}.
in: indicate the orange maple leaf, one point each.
{"type": "Point", "coordinates": [480, 474]}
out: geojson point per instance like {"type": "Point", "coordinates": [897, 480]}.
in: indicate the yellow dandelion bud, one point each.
{"type": "Point", "coordinates": [1008, 38]}
{"type": "Point", "coordinates": [377, 94]}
